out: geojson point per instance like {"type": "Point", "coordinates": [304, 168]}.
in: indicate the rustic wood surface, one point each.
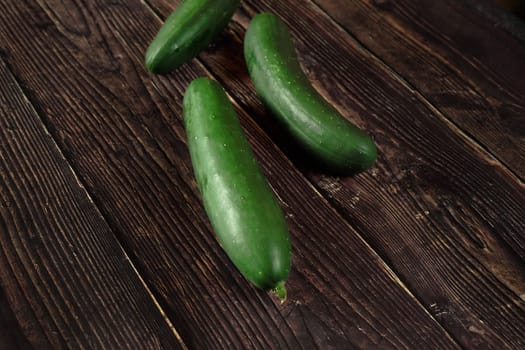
{"type": "Point", "coordinates": [104, 242]}
{"type": "Point", "coordinates": [463, 65]}
{"type": "Point", "coordinates": [63, 270]}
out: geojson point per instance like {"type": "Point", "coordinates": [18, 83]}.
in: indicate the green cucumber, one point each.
{"type": "Point", "coordinates": [243, 210]}
{"type": "Point", "coordinates": [187, 31]}
{"type": "Point", "coordinates": [282, 85]}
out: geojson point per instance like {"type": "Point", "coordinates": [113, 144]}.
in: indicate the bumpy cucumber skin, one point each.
{"type": "Point", "coordinates": [187, 31]}
{"type": "Point", "coordinates": [282, 85]}
{"type": "Point", "coordinates": [243, 210]}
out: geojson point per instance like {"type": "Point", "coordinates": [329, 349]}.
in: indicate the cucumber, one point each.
{"type": "Point", "coordinates": [243, 211]}
{"type": "Point", "coordinates": [187, 31]}
{"type": "Point", "coordinates": [284, 88]}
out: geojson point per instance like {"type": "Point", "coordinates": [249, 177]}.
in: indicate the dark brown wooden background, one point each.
{"type": "Point", "coordinates": [103, 239]}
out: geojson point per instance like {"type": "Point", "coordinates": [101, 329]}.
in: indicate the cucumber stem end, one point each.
{"type": "Point", "coordinates": [280, 291]}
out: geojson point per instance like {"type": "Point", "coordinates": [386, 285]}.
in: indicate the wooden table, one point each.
{"type": "Point", "coordinates": [104, 242]}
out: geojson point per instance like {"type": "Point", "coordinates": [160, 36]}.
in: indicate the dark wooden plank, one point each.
{"type": "Point", "coordinates": [11, 336]}
{"type": "Point", "coordinates": [67, 279]}
{"type": "Point", "coordinates": [469, 69]}
{"type": "Point", "coordinates": [438, 210]}
{"type": "Point", "coordinates": [123, 133]}
{"type": "Point", "coordinates": [501, 16]}
{"type": "Point", "coordinates": [516, 7]}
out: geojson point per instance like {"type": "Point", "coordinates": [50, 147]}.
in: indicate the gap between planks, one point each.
{"type": "Point", "coordinates": [48, 130]}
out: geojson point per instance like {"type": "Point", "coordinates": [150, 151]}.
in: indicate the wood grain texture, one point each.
{"type": "Point", "coordinates": [67, 280]}
{"type": "Point", "coordinates": [123, 133]}
{"type": "Point", "coordinates": [466, 67]}
{"type": "Point", "coordinates": [448, 218]}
